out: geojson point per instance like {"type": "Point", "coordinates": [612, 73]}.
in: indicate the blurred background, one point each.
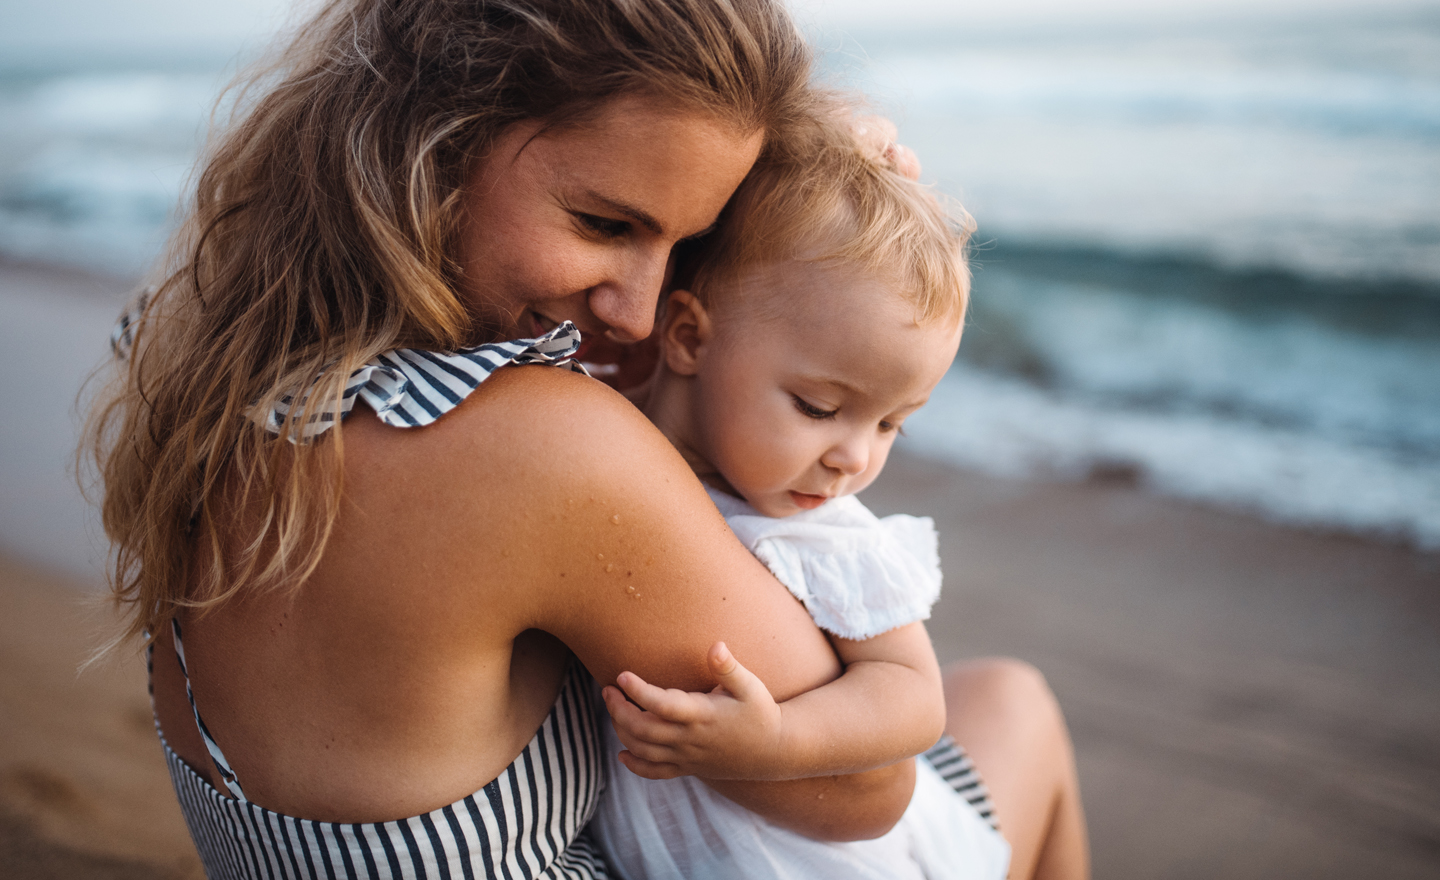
{"type": "Point", "coordinates": [1209, 247]}
{"type": "Point", "coordinates": [1206, 317]}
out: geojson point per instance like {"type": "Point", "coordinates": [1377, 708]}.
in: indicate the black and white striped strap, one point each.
{"type": "Point", "coordinates": [408, 387]}
{"type": "Point", "coordinates": [122, 335]}
{"type": "Point", "coordinates": [211, 746]}
{"type": "Point", "coordinates": [958, 770]}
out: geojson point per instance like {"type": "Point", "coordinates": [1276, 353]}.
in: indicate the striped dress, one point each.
{"type": "Point", "coordinates": [529, 822]}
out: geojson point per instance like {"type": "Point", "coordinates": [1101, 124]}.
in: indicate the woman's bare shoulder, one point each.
{"type": "Point", "coordinates": [581, 520]}
{"type": "Point", "coordinates": [528, 427]}
{"type": "Point", "coordinates": [521, 427]}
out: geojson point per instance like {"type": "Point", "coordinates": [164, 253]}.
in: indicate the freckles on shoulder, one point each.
{"type": "Point", "coordinates": [530, 434]}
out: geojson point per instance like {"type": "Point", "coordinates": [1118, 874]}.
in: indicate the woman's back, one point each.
{"type": "Point", "coordinates": [409, 671]}
{"type": "Point", "coordinates": [528, 821]}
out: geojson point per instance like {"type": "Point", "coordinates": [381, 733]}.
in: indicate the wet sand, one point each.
{"type": "Point", "coordinates": [1247, 700]}
{"type": "Point", "coordinates": [83, 787]}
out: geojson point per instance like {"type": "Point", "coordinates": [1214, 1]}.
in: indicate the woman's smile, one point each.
{"type": "Point", "coordinates": [578, 223]}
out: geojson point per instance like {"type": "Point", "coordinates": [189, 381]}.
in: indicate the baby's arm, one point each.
{"type": "Point", "coordinates": [887, 706]}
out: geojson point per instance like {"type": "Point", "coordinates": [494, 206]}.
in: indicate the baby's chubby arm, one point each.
{"type": "Point", "coordinates": [887, 706]}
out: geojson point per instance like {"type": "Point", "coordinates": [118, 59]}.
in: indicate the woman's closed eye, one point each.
{"type": "Point", "coordinates": [603, 227]}
{"type": "Point", "coordinates": [810, 410]}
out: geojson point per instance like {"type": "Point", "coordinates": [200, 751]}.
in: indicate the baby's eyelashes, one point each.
{"type": "Point", "coordinates": [811, 410]}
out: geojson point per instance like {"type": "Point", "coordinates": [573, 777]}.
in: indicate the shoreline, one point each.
{"type": "Point", "coordinates": [1248, 700]}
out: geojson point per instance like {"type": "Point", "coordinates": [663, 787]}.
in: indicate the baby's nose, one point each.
{"type": "Point", "coordinates": [849, 458]}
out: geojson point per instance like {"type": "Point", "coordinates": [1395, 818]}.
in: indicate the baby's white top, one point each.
{"type": "Point", "coordinates": [858, 574]}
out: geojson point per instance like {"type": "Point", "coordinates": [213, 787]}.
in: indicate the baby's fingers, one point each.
{"type": "Point", "coordinates": [669, 704]}
{"type": "Point", "coordinates": [634, 724]}
{"type": "Point", "coordinates": [648, 769]}
{"type": "Point", "coordinates": [650, 752]}
{"type": "Point", "coordinates": [742, 684]}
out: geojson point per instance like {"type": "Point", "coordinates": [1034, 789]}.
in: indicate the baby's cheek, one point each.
{"type": "Point", "coordinates": [748, 461]}
{"type": "Point", "coordinates": [753, 459]}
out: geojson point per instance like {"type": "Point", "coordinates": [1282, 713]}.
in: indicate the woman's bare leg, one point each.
{"type": "Point", "coordinates": [1003, 713]}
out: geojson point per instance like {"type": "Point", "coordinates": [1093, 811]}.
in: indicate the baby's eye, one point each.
{"type": "Point", "coordinates": [604, 227]}
{"type": "Point", "coordinates": [811, 410]}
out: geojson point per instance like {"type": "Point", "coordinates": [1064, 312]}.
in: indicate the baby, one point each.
{"type": "Point", "coordinates": [817, 317]}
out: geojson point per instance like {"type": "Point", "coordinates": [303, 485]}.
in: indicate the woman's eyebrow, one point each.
{"type": "Point", "coordinates": [638, 215]}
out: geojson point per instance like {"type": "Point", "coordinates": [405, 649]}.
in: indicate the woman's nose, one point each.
{"type": "Point", "coordinates": [626, 303]}
{"type": "Point", "coordinates": [849, 457]}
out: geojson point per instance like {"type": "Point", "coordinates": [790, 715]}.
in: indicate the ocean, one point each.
{"type": "Point", "coordinates": [1207, 264]}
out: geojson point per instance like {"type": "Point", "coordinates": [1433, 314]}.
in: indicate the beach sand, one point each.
{"type": "Point", "coordinates": [83, 787]}
{"type": "Point", "coordinates": [1247, 700]}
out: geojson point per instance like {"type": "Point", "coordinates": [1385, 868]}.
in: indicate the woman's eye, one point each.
{"type": "Point", "coordinates": [811, 410]}
{"type": "Point", "coordinates": [887, 427]}
{"type": "Point", "coordinates": [604, 226]}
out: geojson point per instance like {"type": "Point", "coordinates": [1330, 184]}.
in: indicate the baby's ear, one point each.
{"type": "Point", "coordinates": [685, 331]}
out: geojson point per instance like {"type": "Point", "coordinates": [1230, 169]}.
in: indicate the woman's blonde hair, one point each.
{"type": "Point", "coordinates": [827, 200]}
{"type": "Point", "coordinates": [322, 233]}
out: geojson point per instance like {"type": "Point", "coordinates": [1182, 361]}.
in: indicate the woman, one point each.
{"type": "Point", "coordinates": [375, 627]}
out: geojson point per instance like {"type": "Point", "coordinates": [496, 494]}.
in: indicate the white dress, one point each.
{"type": "Point", "coordinates": [858, 576]}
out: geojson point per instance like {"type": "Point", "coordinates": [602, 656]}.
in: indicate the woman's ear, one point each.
{"type": "Point", "coordinates": [685, 331]}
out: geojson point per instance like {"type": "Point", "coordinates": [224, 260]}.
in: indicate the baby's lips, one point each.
{"type": "Point", "coordinates": [808, 500]}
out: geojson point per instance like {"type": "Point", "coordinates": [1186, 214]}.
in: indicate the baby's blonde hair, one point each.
{"type": "Point", "coordinates": [830, 203]}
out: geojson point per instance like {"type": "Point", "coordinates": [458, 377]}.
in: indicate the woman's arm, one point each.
{"type": "Point", "coordinates": [889, 705]}
{"type": "Point", "coordinates": [611, 545]}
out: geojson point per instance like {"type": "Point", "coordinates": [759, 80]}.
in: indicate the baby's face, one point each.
{"type": "Point", "coordinates": [800, 402]}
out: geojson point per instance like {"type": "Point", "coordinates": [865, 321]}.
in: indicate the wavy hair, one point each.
{"type": "Point", "coordinates": [322, 232]}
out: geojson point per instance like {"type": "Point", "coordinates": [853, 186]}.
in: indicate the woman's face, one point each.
{"type": "Point", "coordinates": [577, 223]}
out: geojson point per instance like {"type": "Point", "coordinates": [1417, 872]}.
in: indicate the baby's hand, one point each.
{"type": "Point", "coordinates": [876, 138]}
{"type": "Point", "coordinates": [732, 732]}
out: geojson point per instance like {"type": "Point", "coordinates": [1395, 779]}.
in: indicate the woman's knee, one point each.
{"type": "Point", "coordinates": [1003, 692]}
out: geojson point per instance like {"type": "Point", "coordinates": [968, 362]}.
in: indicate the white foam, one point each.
{"type": "Point", "coordinates": [1006, 426]}
{"type": "Point", "coordinates": [124, 103]}
{"type": "Point", "coordinates": [1167, 354]}
{"type": "Point", "coordinates": [1129, 87]}
{"type": "Point", "coordinates": [1321, 166]}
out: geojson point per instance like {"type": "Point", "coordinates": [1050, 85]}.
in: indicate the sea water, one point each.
{"type": "Point", "coordinates": [1208, 262]}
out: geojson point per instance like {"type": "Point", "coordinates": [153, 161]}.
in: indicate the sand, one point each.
{"type": "Point", "coordinates": [83, 787]}
{"type": "Point", "coordinates": [1247, 700]}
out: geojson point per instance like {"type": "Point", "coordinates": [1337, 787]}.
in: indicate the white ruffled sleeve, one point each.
{"type": "Point", "coordinates": [857, 574]}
